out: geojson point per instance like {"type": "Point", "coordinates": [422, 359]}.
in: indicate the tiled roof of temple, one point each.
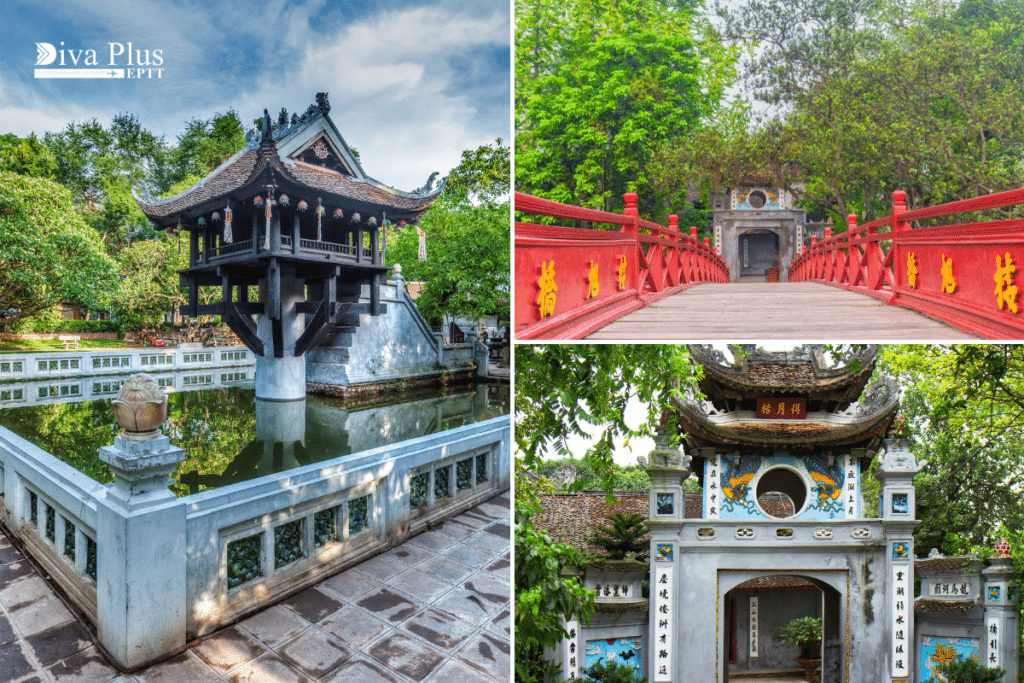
{"type": "Point", "coordinates": [307, 157]}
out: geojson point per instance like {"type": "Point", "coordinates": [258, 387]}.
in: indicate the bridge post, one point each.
{"type": "Point", "coordinates": [899, 207]}
{"type": "Point", "coordinates": [813, 260]}
{"type": "Point", "coordinates": [630, 210]}
{"type": "Point", "coordinates": [853, 252]}
{"type": "Point", "coordinates": [675, 271]}
{"type": "Point", "coordinates": [829, 247]}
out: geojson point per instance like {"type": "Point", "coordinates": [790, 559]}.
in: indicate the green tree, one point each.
{"type": "Point", "coordinates": [149, 282]}
{"type": "Point", "coordinates": [626, 532]}
{"type": "Point", "coordinates": [565, 390]}
{"type": "Point", "coordinates": [600, 85]}
{"type": "Point", "coordinates": [466, 273]}
{"type": "Point", "coordinates": [201, 148]}
{"type": "Point", "coordinates": [613, 672]}
{"type": "Point", "coordinates": [26, 156]}
{"type": "Point", "coordinates": [47, 254]}
{"type": "Point", "coordinates": [544, 597]}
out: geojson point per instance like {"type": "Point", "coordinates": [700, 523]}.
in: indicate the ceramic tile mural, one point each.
{"type": "Point", "coordinates": [732, 493]}
{"type": "Point", "coordinates": [628, 651]}
{"type": "Point", "coordinates": [936, 650]}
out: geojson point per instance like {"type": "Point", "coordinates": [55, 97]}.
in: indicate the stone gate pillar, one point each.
{"type": "Point", "coordinates": [898, 512]}
{"type": "Point", "coordinates": [1001, 620]}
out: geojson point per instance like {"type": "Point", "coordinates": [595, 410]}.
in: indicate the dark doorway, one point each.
{"type": "Point", "coordinates": [759, 251]}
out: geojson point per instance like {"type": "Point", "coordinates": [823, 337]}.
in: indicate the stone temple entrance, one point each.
{"type": "Point", "coordinates": [754, 611]}
{"type": "Point", "coordinates": [758, 251]}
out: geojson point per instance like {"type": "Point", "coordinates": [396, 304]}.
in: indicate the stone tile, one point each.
{"type": "Point", "coordinates": [350, 585]}
{"type": "Point", "coordinates": [54, 644]}
{"type": "Point", "coordinates": [454, 530]}
{"type": "Point", "coordinates": [315, 652]}
{"type": "Point", "coordinates": [452, 670]}
{"type": "Point", "coordinates": [42, 614]}
{"type": "Point", "coordinates": [227, 649]}
{"type": "Point", "coordinates": [503, 500]}
{"type": "Point", "coordinates": [312, 604]}
{"type": "Point", "coordinates": [501, 566]}
{"type": "Point", "coordinates": [86, 666]}
{"type": "Point", "coordinates": [354, 626]}
{"type": "Point", "coordinates": [470, 555]}
{"type": "Point", "coordinates": [410, 555]}
{"type": "Point", "coordinates": [502, 625]}
{"type": "Point", "coordinates": [432, 540]}
{"type": "Point", "coordinates": [494, 511]}
{"type": "Point", "coordinates": [489, 654]}
{"type": "Point", "coordinates": [466, 606]}
{"type": "Point", "coordinates": [12, 571]}
{"type": "Point", "coordinates": [405, 655]}
{"type": "Point", "coordinates": [6, 632]}
{"type": "Point", "coordinates": [24, 592]}
{"type": "Point", "coordinates": [483, 539]}
{"type": "Point", "coordinates": [184, 667]}
{"type": "Point", "coordinates": [389, 606]}
{"type": "Point", "coordinates": [420, 585]}
{"type": "Point", "coordinates": [8, 553]}
{"type": "Point", "coordinates": [362, 671]}
{"type": "Point", "coordinates": [13, 663]}
{"type": "Point", "coordinates": [490, 588]}
{"type": "Point", "coordinates": [268, 669]}
{"type": "Point", "coordinates": [382, 567]}
{"type": "Point", "coordinates": [33, 679]}
{"type": "Point", "coordinates": [125, 679]}
{"type": "Point", "coordinates": [446, 569]}
{"type": "Point", "coordinates": [500, 530]}
{"type": "Point", "coordinates": [275, 625]}
{"type": "Point", "coordinates": [474, 519]}
{"type": "Point", "coordinates": [440, 629]}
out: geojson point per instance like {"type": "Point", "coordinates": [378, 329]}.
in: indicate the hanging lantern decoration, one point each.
{"type": "Point", "coordinates": [319, 217]}
{"type": "Point", "coordinates": [227, 224]}
{"type": "Point", "coordinates": [266, 235]}
{"type": "Point", "coordinates": [401, 224]}
{"type": "Point", "coordinates": [201, 222]}
{"type": "Point", "coordinates": [258, 201]}
{"type": "Point", "coordinates": [372, 221]}
{"type": "Point", "coordinates": [283, 200]}
{"type": "Point", "coordinates": [302, 206]}
{"type": "Point", "coordinates": [215, 216]}
{"type": "Point", "coordinates": [338, 214]}
{"type": "Point", "coordinates": [356, 218]}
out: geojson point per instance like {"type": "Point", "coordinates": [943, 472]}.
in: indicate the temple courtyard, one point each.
{"type": "Point", "coordinates": [435, 608]}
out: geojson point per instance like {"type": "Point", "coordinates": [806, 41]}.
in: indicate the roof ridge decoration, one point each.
{"type": "Point", "coordinates": [846, 357]}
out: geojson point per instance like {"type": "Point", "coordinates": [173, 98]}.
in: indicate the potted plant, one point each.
{"type": "Point", "coordinates": [805, 632]}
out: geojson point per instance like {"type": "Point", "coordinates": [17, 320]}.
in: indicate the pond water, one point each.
{"type": "Point", "coordinates": [230, 436]}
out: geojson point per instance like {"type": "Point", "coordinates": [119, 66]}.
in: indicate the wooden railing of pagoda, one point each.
{"type": "Point", "coordinates": [963, 273]}
{"type": "Point", "coordinates": [573, 281]}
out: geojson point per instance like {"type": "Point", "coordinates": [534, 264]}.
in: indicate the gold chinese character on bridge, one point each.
{"type": "Point", "coordinates": [1006, 291]}
{"type": "Point", "coordinates": [912, 270]}
{"type": "Point", "coordinates": [592, 283]}
{"type": "Point", "coordinates": [948, 283]}
{"type": "Point", "coordinates": [622, 274]}
{"type": "Point", "coordinates": [546, 282]}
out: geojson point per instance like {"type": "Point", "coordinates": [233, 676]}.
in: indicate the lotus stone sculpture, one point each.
{"type": "Point", "coordinates": [140, 408]}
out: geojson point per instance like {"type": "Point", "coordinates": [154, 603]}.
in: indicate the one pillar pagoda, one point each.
{"type": "Point", "coordinates": [294, 214]}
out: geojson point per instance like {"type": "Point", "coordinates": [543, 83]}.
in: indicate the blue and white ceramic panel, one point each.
{"type": "Point", "coordinates": [936, 650]}
{"type": "Point", "coordinates": [628, 651]}
{"type": "Point", "coordinates": [824, 482]}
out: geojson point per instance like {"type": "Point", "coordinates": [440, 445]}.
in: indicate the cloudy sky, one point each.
{"type": "Point", "coordinates": [412, 83]}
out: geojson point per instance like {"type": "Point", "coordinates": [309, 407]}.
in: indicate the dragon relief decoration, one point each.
{"type": "Point", "coordinates": [736, 487]}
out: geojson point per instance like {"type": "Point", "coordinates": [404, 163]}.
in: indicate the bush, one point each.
{"type": "Point", "coordinates": [805, 632]}
{"type": "Point", "coordinates": [962, 670]}
{"type": "Point", "coordinates": [612, 672]}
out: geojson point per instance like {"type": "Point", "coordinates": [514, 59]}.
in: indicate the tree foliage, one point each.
{"type": "Point", "coordinates": [466, 272]}
{"type": "Point", "coordinates": [565, 390]}
{"type": "Point", "coordinates": [600, 85]}
{"type": "Point", "coordinates": [26, 156]}
{"type": "Point", "coordinates": [149, 282]}
{"type": "Point", "coordinates": [625, 532]}
{"type": "Point", "coordinates": [48, 255]}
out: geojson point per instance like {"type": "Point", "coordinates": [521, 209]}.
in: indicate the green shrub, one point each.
{"type": "Point", "coordinates": [805, 632]}
{"type": "Point", "coordinates": [962, 670]}
{"type": "Point", "coordinates": [612, 672]}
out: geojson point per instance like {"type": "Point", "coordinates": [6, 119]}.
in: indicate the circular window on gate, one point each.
{"type": "Point", "coordinates": [757, 199]}
{"type": "Point", "coordinates": [781, 493]}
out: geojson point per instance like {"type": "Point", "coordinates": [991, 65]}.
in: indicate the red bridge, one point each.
{"type": "Point", "coordinates": [884, 280]}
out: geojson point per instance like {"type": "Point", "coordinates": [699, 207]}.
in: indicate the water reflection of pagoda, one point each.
{"type": "Point", "coordinates": [295, 214]}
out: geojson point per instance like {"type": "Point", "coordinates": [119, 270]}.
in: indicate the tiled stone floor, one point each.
{"type": "Point", "coordinates": [432, 610]}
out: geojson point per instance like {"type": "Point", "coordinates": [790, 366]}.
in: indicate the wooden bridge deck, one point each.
{"type": "Point", "coordinates": [787, 310]}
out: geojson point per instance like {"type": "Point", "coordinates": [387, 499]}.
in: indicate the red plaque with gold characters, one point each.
{"type": "Point", "coordinates": [782, 408]}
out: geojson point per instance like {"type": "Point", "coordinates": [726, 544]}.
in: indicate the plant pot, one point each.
{"type": "Point", "coordinates": [812, 667]}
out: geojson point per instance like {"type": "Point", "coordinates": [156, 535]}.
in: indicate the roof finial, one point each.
{"type": "Point", "coordinates": [321, 102]}
{"type": "Point", "coordinates": [268, 131]}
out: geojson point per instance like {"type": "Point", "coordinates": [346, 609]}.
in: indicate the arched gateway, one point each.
{"type": "Point", "coordinates": [779, 531]}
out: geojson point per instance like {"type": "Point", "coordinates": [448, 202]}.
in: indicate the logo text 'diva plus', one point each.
{"type": "Point", "coordinates": [124, 62]}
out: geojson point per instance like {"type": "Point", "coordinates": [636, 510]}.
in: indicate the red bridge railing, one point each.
{"type": "Point", "coordinates": [573, 281]}
{"type": "Point", "coordinates": [961, 273]}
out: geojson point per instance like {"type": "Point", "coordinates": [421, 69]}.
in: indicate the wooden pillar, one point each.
{"type": "Point", "coordinates": [295, 233]}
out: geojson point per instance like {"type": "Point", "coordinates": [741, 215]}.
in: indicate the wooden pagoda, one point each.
{"type": "Point", "coordinates": [295, 214]}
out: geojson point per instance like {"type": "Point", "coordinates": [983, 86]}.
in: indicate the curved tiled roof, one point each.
{"type": "Point", "coordinates": [940, 564]}
{"type": "Point", "coordinates": [932, 605]}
